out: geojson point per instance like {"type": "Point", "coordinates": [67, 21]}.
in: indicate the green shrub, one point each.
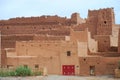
{"type": "Point", "coordinates": [19, 71]}
{"type": "Point", "coordinates": [12, 73]}
{"type": "Point", "coordinates": [23, 71]}
{"type": "Point", "coordinates": [37, 73]}
{"type": "Point", "coordinates": [4, 73]}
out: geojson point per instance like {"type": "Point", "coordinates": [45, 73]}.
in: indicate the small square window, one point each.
{"type": "Point", "coordinates": [68, 53]}
{"type": "Point", "coordinates": [26, 66]}
{"type": "Point", "coordinates": [36, 66]}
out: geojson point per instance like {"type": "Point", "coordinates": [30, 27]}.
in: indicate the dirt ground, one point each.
{"type": "Point", "coordinates": [58, 77]}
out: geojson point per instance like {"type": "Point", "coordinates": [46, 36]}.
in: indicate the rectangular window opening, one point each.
{"type": "Point", "coordinates": [36, 66]}
{"type": "Point", "coordinates": [68, 53]}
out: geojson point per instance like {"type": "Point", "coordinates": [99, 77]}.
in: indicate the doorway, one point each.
{"type": "Point", "coordinates": [92, 70]}
{"type": "Point", "coordinates": [68, 70]}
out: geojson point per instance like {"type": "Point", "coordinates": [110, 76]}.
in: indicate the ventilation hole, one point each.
{"type": "Point", "coordinates": [84, 59]}
{"type": "Point", "coordinates": [105, 22]}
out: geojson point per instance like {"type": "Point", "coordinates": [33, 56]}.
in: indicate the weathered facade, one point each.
{"type": "Point", "coordinates": [65, 46]}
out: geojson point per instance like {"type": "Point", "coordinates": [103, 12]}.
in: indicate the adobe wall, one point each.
{"type": "Point", "coordinates": [70, 60]}
{"type": "Point", "coordinates": [103, 43]}
{"type": "Point", "coordinates": [14, 61]}
{"type": "Point", "coordinates": [10, 34]}
{"type": "Point", "coordinates": [106, 21]}
{"type": "Point", "coordinates": [104, 54]}
{"type": "Point", "coordinates": [81, 36]}
{"type": "Point", "coordinates": [38, 53]}
{"type": "Point", "coordinates": [36, 47]}
{"type": "Point", "coordinates": [10, 52]}
{"type": "Point", "coordinates": [52, 64]}
{"type": "Point", "coordinates": [49, 54]}
{"type": "Point", "coordinates": [82, 49]}
{"type": "Point", "coordinates": [103, 65]}
{"type": "Point", "coordinates": [86, 62]}
{"type": "Point", "coordinates": [119, 41]}
{"type": "Point", "coordinates": [100, 22]}
{"type": "Point", "coordinates": [35, 20]}
{"type": "Point", "coordinates": [84, 42]}
{"type": "Point", "coordinates": [97, 22]}
{"type": "Point", "coordinates": [92, 43]}
{"type": "Point", "coordinates": [114, 36]}
{"type": "Point", "coordinates": [8, 41]}
{"type": "Point", "coordinates": [43, 20]}
{"type": "Point", "coordinates": [91, 22]}
{"type": "Point", "coordinates": [40, 40]}
{"type": "Point", "coordinates": [48, 38]}
{"type": "Point", "coordinates": [34, 29]}
{"type": "Point", "coordinates": [75, 17]}
{"type": "Point", "coordinates": [80, 27]}
{"type": "Point", "coordinates": [3, 58]}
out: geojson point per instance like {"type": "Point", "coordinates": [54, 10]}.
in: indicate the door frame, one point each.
{"type": "Point", "coordinates": [92, 70]}
{"type": "Point", "coordinates": [69, 71]}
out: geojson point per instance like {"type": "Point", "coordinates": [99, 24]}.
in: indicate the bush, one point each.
{"type": "Point", "coordinates": [19, 71]}
{"type": "Point", "coordinates": [12, 73]}
{"type": "Point", "coordinates": [5, 73]}
{"type": "Point", "coordinates": [37, 73]}
{"type": "Point", "coordinates": [2, 73]}
{"type": "Point", "coordinates": [23, 71]}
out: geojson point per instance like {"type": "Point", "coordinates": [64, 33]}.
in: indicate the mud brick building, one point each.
{"type": "Point", "coordinates": [65, 46]}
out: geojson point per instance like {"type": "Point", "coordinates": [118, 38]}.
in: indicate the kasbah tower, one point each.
{"type": "Point", "coordinates": [63, 46]}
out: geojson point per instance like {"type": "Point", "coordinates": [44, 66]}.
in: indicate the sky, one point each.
{"type": "Point", "coordinates": [63, 8]}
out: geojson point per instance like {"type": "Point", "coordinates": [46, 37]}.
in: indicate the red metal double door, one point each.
{"type": "Point", "coordinates": [68, 70]}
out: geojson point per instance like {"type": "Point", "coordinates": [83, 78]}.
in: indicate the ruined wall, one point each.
{"type": "Point", "coordinates": [34, 29]}
{"type": "Point", "coordinates": [44, 20]}
{"type": "Point", "coordinates": [99, 22]}
{"type": "Point", "coordinates": [39, 25]}
{"type": "Point", "coordinates": [51, 20]}
{"type": "Point", "coordinates": [11, 34]}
